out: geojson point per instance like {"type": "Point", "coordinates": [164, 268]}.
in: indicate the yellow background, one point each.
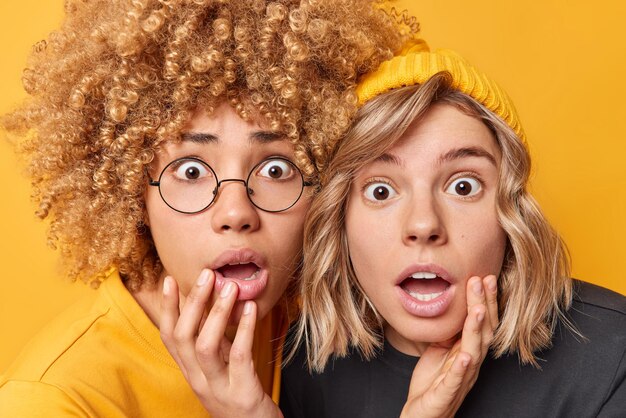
{"type": "Point", "coordinates": [563, 63]}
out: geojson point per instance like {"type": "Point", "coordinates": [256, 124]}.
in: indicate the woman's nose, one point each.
{"type": "Point", "coordinates": [424, 222]}
{"type": "Point", "coordinates": [232, 210]}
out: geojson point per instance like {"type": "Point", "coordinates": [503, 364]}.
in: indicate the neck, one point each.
{"type": "Point", "coordinates": [403, 345]}
{"type": "Point", "coordinates": [149, 298]}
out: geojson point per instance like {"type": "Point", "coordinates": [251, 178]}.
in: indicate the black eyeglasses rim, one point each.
{"type": "Point", "coordinates": [157, 183]}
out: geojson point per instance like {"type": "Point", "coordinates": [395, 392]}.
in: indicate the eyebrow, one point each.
{"type": "Point", "coordinates": [198, 137]}
{"type": "Point", "coordinates": [264, 137]}
{"type": "Point", "coordinates": [451, 155]}
{"type": "Point", "coordinates": [389, 158]}
{"type": "Point", "coordinates": [458, 153]}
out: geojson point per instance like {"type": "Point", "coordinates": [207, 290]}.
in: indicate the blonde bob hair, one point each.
{"type": "Point", "coordinates": [120, 77]}
{"type": "Point", "coordinates": [534, 287]}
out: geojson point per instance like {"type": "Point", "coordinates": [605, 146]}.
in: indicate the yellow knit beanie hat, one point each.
{"type": "Point", "coordinates": [415, 64]}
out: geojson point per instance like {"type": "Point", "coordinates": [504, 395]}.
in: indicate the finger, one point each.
{"type": "Point", "coordinates": [475, 292]}
{"type": "Point", "coordinates": [212, 333]}
{"type": "Point", "coordinates": [427, 369]}
{"type": "Point", "coordinates": [476, 296]}
{"type": "Point", "coordinates": [454, 386]}
{"type": "Point", "coordinates": [241, 364]}
{"type": "Point", "coordinates": [491, 322]}
{"type": "Point", "coordinates": [195, 307]}
{"type": "Point", "coordinates": [187, 327]}
{"type": "Point", "coordinates": [169, 317]}
{"type": "Point", "coordinates": [444, 396]}
{"type": "Point", "coordinates": [472, 337]}
{"type": "Point", "coordinates": [490, 284]}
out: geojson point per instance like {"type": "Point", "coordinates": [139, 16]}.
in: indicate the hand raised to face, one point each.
{"type": "Point", "coordinates": [222, 374]}
{"type": "Point", "coordinates": [447, 371]}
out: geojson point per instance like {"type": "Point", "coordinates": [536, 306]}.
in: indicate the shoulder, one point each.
{"type": "Point", "coordinates": [65, 340]}
{"type": "Point", "coordinates": [55, 340]}
{"type": "Point", "coordinates": [594, 323]}
{"type": "Point", "coordinates": [599, 314]}
{"type": "Point", "coordinates": [599, 298]}
{"type": "Point", "coordinates": [104, 358]}
{"type": "Point", "coordinates": [42, 399]}
{"type": "Point", "coordinates": [41, 378]}
{"type": "Point", "coordinates": [583, 372]}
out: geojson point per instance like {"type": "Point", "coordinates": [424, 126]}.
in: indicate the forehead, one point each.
{"type": "Point", "coordinates": [444, 127]}
{"type": "Point", "coordinates": [222, 120]}
{"type": "Point", "coordinates": [225, 133]}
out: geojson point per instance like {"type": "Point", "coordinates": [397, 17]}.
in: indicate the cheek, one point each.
{"type": "Point", "coordinates": [368, 243]}
{"type": "Point", "coordinates": [495, 243]}
{"type": "Point", "coordinates": [155, 217]}
{"type": "Point", "coordinates": [161, 219]}
{"type": "Point", "coordinates": [157, 212]}
{"type": "Point", "coordinates": [487, 241]}
{"type": "Point", "coordinates": [286, 232]}
{"type": "Point", "coordinates": [176, 239]}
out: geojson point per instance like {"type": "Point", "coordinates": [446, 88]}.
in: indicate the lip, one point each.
{"type": "Point", "coordinates": [426, 309]}
{"type": "Point", "coordinates": [248, 289]}
{"type": "Point", "coordinates": [432, 268]}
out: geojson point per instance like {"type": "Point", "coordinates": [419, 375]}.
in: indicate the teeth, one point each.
{"type": "Point", "coordinates": [423, 275]}
{"type": "Point", "coordinates": [253, 276]}
{"type": "Point", "coordinates": [425, 297]}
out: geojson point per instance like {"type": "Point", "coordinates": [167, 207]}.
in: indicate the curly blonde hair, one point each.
{"type": "Point", "coordinates": [122, 76]}
{"type": "Point", "coordinates": [534, 288]}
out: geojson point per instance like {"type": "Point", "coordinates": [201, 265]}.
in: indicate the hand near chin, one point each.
{"type": "Point", "coordinates": [221, 373]}
{"type": "Point", "coordinates": [447, 371]}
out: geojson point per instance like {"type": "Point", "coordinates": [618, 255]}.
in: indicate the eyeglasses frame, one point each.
{"type": "Point", "coordinates": [249, 191]}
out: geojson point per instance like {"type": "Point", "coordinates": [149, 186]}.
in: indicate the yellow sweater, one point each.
{"type": "Point", "coordinates": [104, 358]}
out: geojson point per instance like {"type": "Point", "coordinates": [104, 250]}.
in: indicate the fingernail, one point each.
{"type": "Point", "coordinates": [227, 289]}
{"type": "Point", "coordinates": [491, 284]}
{"type": "Point", "coordinates": [478, 288]}
{"type": "Point", "coordinates": [465, 362]}
{"type": "Point", "coordinates": [166, 286]}
{"type": "Point", "coordinates": [247, 307]}
{"type": "Point", "coordinates": [204, 277]}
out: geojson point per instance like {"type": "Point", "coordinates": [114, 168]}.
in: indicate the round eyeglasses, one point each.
{"type": "Point", "coordinates": [189, 185]}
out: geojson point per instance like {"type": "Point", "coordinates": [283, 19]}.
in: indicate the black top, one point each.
{"type": "Point", "coordinates": [579, 378]}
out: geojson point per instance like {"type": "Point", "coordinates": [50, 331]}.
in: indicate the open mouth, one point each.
{"type": "Point", "coordinates": [240, 271]}
{"type": "Point", "coordinates": [424, 286]}
{"type": "Point", "coordinates": [246, 268]}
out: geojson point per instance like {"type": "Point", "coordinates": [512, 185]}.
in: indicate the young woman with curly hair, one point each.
{"type": "Point", "coordinates": [426, 195]}
{"type": "Point", "coordinates": [145, 119]}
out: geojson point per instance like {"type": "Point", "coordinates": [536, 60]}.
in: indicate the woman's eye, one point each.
{"type": "Point", "coordinates": [379, 192]}
{"type": "Point", "coordinates": [276, 169]}
{"type": "Point", "coordinates": [191, 170]}
{"type": "Point", "coordinates": [464, 186]}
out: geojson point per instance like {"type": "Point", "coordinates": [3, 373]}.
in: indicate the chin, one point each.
{"type": "Point", "coordinates": [434, 337]}
{"type": "Point", "coordinates": [432, 331]}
